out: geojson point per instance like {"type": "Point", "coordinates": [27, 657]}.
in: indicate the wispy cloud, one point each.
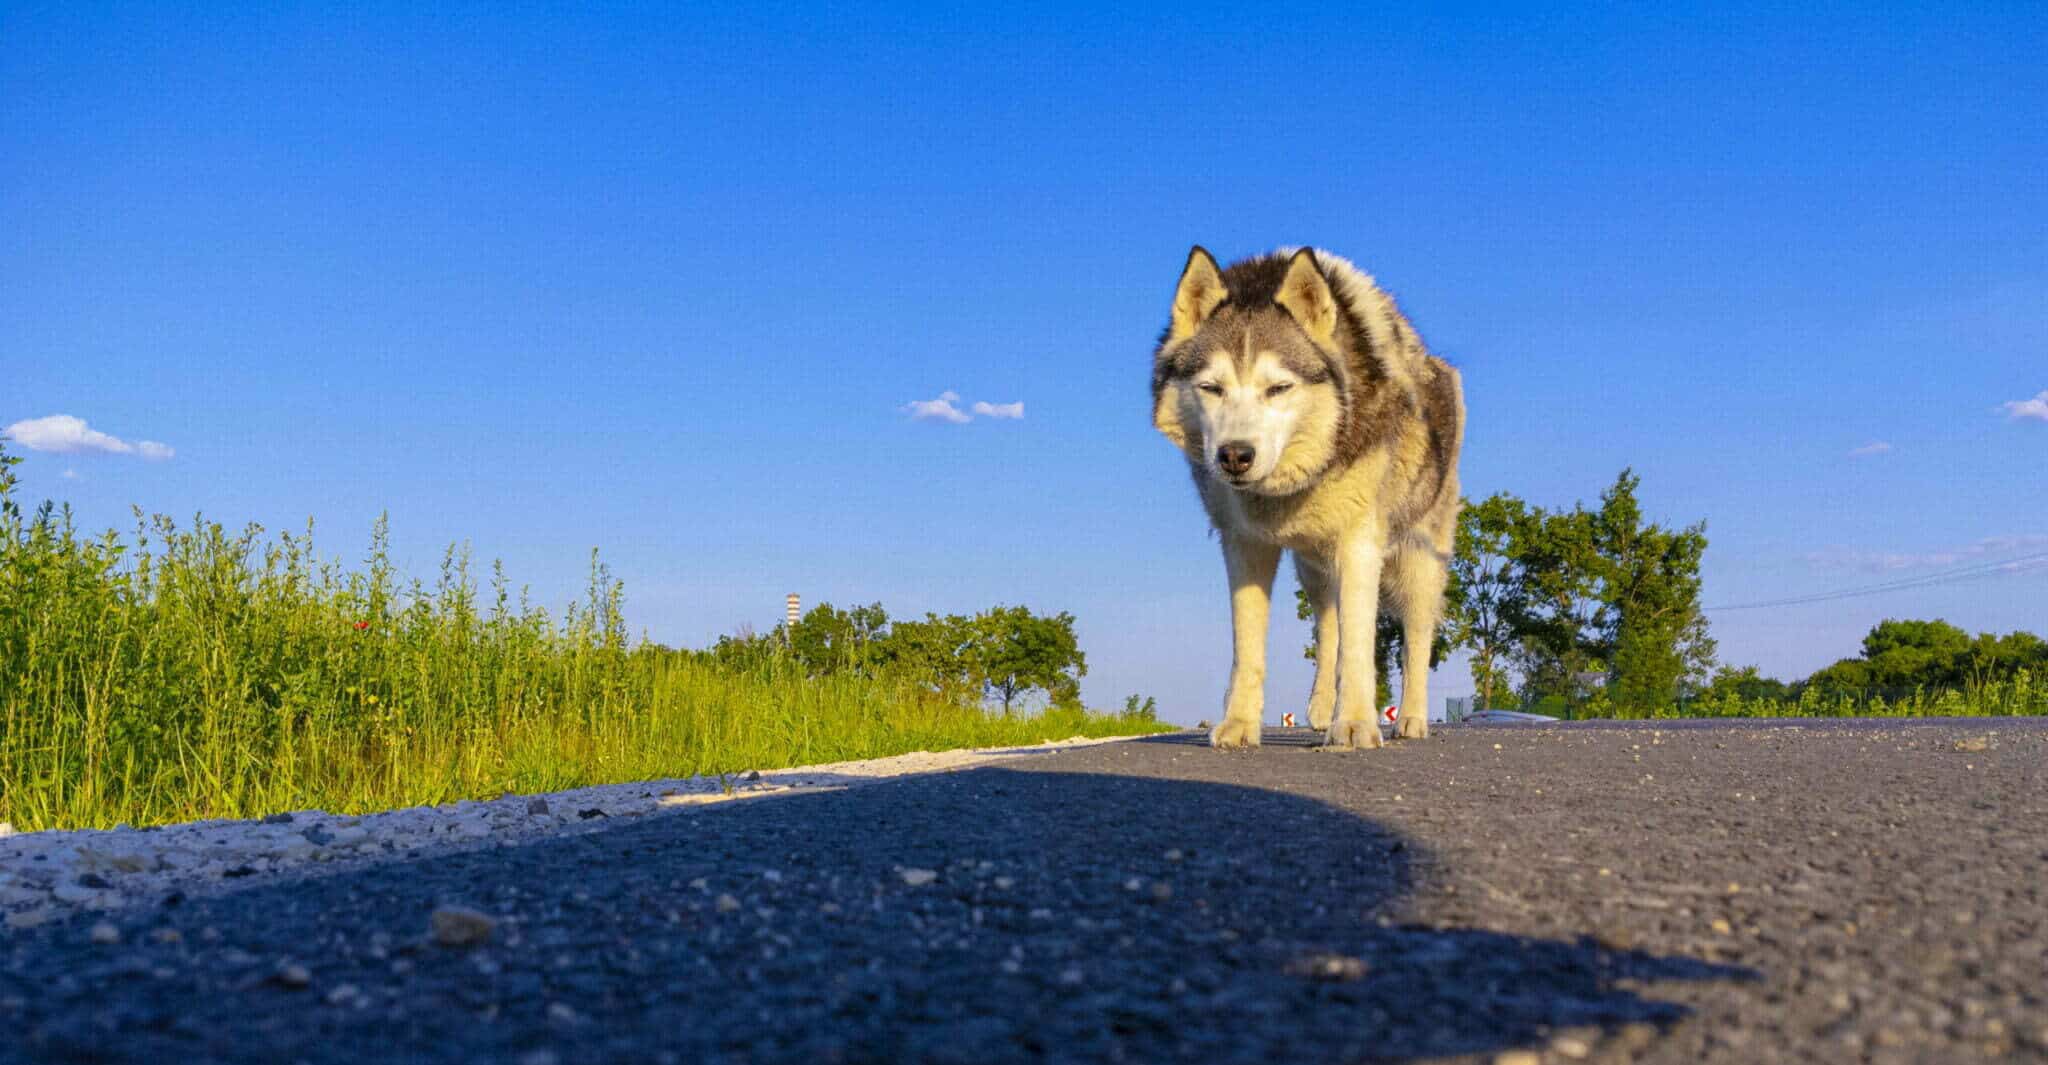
{"type": "Point", "coordinates": [1888, 561]}
{"type": "Point", "coordinates": [66, 435]}
{"type": "Point", "coordinates": [946, 409]}
{"type": "Point", "coordinates": [69, 475]}
{"type": "Point", "coordinates": [1875, 447]}
{"type": "Point", "coordinates": [938, 410]}
{"type": "Point", "coordinates": [2035, 409]}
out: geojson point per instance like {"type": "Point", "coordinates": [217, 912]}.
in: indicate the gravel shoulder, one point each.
{"type": "Point", "coordinates": [1726, 892]}
{"type": "Point", "coordinates": [45, 876]}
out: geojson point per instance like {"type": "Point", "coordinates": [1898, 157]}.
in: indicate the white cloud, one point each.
{"type": "Point", "coordinates": [2035, 409]}
{"type": "Point", "coordinates": [1887, 561]}
{"type": "Point", "coordinates": [69, 475]}
{"type": "Point", "coordinates": [66, 435]}
{"type": "Point", "coordinates": [1000, 410]}
{"type": "Point", "coordinates": [937, 410]}
{"type": "Point", "coordinates": [1875, 447]}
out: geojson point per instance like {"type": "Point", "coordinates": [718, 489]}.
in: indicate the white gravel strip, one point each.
{"type": "Point", "coordinates": [45, 876]}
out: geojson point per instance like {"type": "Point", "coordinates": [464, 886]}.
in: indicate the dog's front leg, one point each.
{"type": "Point", "coordinates": [1358, 567]}
{"type": "Point", "coordinates": [1250, 565]}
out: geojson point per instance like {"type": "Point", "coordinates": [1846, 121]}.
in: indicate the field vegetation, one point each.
{"type": "Point", "coordinates": [184, 672]}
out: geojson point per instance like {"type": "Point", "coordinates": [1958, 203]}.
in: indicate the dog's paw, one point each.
{"type": "Point", "coordinates": [1321, 710]}
{"type": "Point", "coordinates": [1412, 727]}
{"type": "Point", "coordinates": [1353, 734]}
{"type": "Point", "coordinates": [1235, 732]}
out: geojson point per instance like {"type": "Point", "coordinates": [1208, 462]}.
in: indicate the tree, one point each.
{"type": "Point", "coordinates": [1018, 652]}
{"type": "Point", "coordinates": [828, 640]}
{"type": "Point", "coordinates": [1562, 612]}
{"type": "Point", "coordinates": [1747, 685]}
{"type": "Point", "coordinates": [942, 653]}
{"type": "Point", "coordinates": [1650, 628]}
{"type": "Point", "coordinates": [1486, 596]}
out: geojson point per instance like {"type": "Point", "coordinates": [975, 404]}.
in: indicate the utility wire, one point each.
{"type": "Point", "coordinates": [1975, 571]}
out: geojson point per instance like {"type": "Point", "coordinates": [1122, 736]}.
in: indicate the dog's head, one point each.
{"type": "Point", "coordinates": [1248, 378]}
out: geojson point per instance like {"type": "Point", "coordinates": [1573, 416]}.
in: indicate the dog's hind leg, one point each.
{"type": "Point", "coordinates": [1416, 576]}
{"type": "Point", "coordinates": [1322, 600]}
{"type": "Point", "coordinates": [1251, 565]}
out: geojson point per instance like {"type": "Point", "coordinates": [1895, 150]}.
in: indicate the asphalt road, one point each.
{"type": "Point", "coordinates": [1861, 891]}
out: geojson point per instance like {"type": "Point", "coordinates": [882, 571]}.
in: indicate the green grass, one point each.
{"type": "Point", "coordinates": [181, 673]}
{"type": "Point", "coordinates": [2021, 694]}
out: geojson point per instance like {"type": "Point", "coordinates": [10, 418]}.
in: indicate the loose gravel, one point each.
{"type": "Point", "coordinates": [1866, 892]}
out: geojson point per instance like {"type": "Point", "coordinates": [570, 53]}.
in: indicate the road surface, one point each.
{"type": "Point", "coordinates": [1749, 892]}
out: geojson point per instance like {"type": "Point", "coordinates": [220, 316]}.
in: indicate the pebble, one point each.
{"type": "Point", "coordinates": [278, 819]}
{"type": "Point", "coordinates": [918, 877]}
{"type": "Point", "coordinates": [105, 933]}
{"type": "Point", "coordinates": [726, 904]}
{"type": "Point", "coordinates": [1517, 1057]}
{"type": "Point", "coordinates": [537, 807]}
{"type": "Point", "coordinates": [292, 976]}
{"type": "Point", "coordinates": [457, 926]}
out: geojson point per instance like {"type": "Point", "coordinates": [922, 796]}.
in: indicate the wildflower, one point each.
{"type": "Point", "coordinates": [361, 625]}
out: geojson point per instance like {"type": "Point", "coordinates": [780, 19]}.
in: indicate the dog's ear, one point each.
{"type": "Point", "coordinates": [1201, 290]}
{"type": "Point", "coordinates": [1307, 296]}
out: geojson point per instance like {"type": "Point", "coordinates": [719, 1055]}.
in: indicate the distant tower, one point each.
{"type": "Point", "coordinates": [790, 610]}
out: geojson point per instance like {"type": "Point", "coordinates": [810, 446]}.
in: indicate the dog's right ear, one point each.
{"type": "Point", "coordinates": [1201, 291]}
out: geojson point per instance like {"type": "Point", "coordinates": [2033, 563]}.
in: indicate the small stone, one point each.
{"type": "Point", "coordinates": [726, 904]}
{"type": "Point", "coordinates": [6, 829]}
{"type": "Point", "coordinates": [1517, 1057]}
{"type": "Point", "coordinates": [918, 877]}
{"type": "Point", "coordinates": [1174, 855]}
{"type": "Point", "coordinates": [1722, 927]}
{"type": "Point", "coordinates": [562, 1013]}
{"type": "Point", "coordinates": [1330, 968]}
{"type": "Point", "coordinates": [539, 1057]}
{"type": "Point", "coordinates": [30, 918]}
{"type": "Point", "coordinates": [73, 894]}
{"type": "Point", "coordinates": [753, 775]}
{"type": "Point", "coordinates": [104, 933]}
{"type": "Point", "coordinates": [278, 819]}
{"type": "Point", "coordinates": [1071, 977]}
{"type": "Point", "coordinates": [537, 808]}
{"type": "Point", "coordinates": [1161, 891]}
{"type": "Point", "coordinates": [1004, 883]}
{"type": "Point", "coordinates": [95, 882]}
{"type": "Point", "coordinates": [167, 936]}
{"type": "Point", "coordinates": [292, 976]}
{"type": "Point", "coordinates": [343, 994]}
{"type": "Point", "coordinates": [1973, 743]}
{"type": "Point", "coordinates": [700, 884]}
{"type": "Point", "coordinates": [1571, 1047]}
{"type": "Point", "coordinates": [591, 813]}
{"type": "Point", "coordinates": [457, 926]}
{"type": "Point", "coordinates": [318, 836]}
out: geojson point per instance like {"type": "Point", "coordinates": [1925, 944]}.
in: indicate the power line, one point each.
{"type": "Point", "coordinates": [1975, 571]}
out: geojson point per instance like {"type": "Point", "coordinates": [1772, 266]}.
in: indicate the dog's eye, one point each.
{"type": "Point", "coordinates": [1279, 388]}
{"type": "Point", "coordinates": [1211, 387]}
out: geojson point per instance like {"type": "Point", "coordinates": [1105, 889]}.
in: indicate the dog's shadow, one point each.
{"type": "Point", "coordinates": [988, 915]}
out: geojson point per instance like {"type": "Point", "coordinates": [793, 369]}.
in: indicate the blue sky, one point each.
{"type": "Point", "coordinates": [662, 281]}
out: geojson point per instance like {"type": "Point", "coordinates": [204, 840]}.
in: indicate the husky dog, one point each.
{"type": "Point", "coordinates": [1314, 421]}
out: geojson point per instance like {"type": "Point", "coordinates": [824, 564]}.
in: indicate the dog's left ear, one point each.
{"type": "Point", "coordinates": [1307, 297]}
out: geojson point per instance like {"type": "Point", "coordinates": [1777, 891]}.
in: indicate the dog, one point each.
{"type": "Point", "coordinates": [1314, 421]}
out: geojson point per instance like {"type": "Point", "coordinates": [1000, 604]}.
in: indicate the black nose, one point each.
{"type": "Point", "coordinates": [1234, 458]}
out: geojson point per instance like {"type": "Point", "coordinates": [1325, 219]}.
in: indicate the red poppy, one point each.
{"type": "Point", "coordinates": [361, 625]}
